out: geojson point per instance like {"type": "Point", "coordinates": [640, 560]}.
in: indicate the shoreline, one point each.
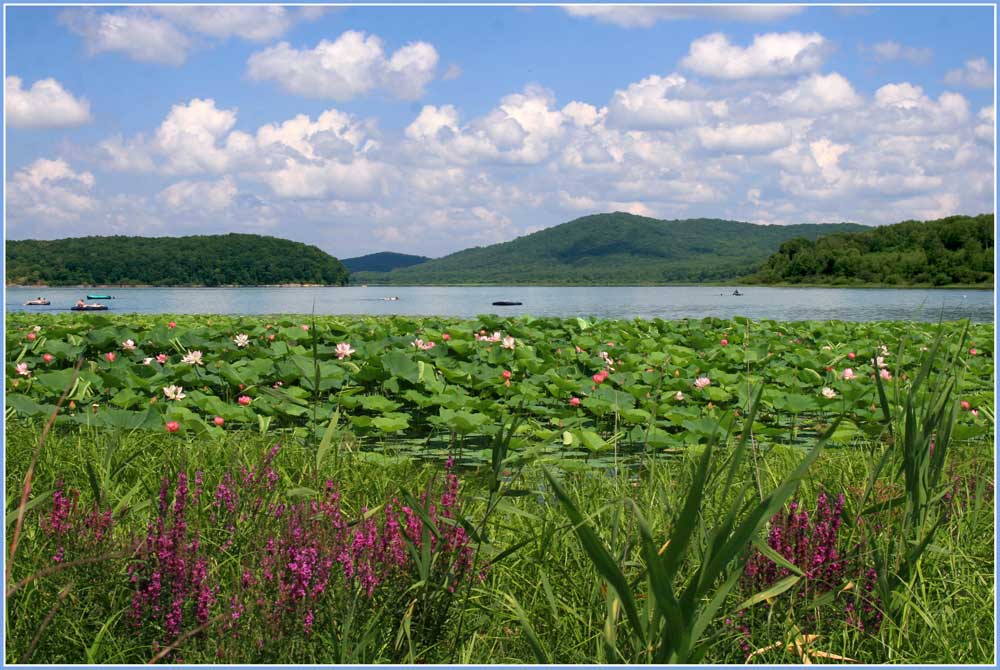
{"type": "Point", "coordinates": [923, 287]}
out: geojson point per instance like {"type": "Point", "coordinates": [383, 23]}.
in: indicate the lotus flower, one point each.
{"type": "Point", "coordinates": [241, 340]}
{"type": "Point", "coordinates": [147, 361]}
{"type": "Point", "coordinates": [679, 396]}
{"type": "Point", "coordinates": [22, 369]}
{"type": "Point", "coordinates": [161, 358]}
{"type": "Point", "coordinates": [192, 358]}
{"type": "Point", "coordinates": [508, 343]}
{"type": "Point", "coordinates": [574, 402]}
{"type": "Point", "coordinates": [243, 400]}
{"type": "Point", "coordinates": [884, 374]}
{"type": "Point", "coordinates": [344, 350]}
{"type": "Point", "coordinates": [174, 392]}
{"type": "Point", "coordinates": [172, 324]}
{"type": "Point", "coordinates": [848, 374]}
{"type": "Point", "coordinates": [47, 358]}
{"type": "Point", "coordinates": [218, 421]}
{"type": "Point", "coordinates": [702, 382]}
{"type": "Point", "coordinates": [446, 337]}
{"type": "Point", "coordinates": [965, 405]}
{"type": "Point", "coordinates": [110, 356]}
{"type": "Point", "coordinates": [172, 426]}
{"type": "Point", "coordinates": [128, 345]}
{"type": "Point", "coordinates": [828, 392]}
{"type": "Point", "coordinates": [31, 337]}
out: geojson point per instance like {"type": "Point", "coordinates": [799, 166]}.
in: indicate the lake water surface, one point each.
{"type": "Point", "coordinates": [619, 302]}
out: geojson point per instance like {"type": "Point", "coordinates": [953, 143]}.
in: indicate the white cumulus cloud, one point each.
{"type": "Point", "coordinates": [890, 51]}
{"type": "Point", "coordinates": [45, 105]}
{"type": "Point", "coordinates": [353, 65]}
{"type": "Point", "coordinates": [200, 195]}
{"type": "Point", "coordinates": [51, 190]}
{"type": "Point", "coordinates": [976, 73]}
{"type": "Point", "coordinates": [769, 55]}
{"type": "Point", "coordinates": [644, 17]}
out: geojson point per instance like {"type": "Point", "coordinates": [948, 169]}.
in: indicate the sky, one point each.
{"type": "Point", "coordinates": [427, 130]}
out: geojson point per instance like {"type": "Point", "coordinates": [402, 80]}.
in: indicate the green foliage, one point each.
{"type": "Point", "coordinates": [954, 250]}
{"type": "Point", "coordinates": [615, 249]}
{"type": "Point", "coordinates": [383, 261]}
{"type": "Point", "coordinates": [208, 260]}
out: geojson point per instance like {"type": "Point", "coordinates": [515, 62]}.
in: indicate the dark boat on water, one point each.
{"type": "Point", "coordinates": [38, 301]}
{"type": "Point", "coordinates": [100, 297]}
{"type": "Point", "coordinates": [506, 303]}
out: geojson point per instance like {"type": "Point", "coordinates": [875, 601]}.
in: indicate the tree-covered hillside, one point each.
{"type": "Point", "coordinates": [617, 249]}
{"type": "Point", "coordinates": [383, 261]}
{"type": "Point", "coordinates": [955, 250]}
{"type": "Point", "coordinates": [209, 260]}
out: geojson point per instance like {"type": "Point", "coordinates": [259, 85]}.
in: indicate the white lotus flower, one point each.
{"type": "Point", "coordinates": [128, 345]}
{"type": "Point", "coordinates": [174, 392]}
{"type": "Point", "coordinates": [192, 358]}
{"type": "Point", "coordinates": [828, 392]}
{"type": "Point", "coordinates": [241, 340]}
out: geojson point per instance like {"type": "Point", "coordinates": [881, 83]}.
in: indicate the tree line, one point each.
{"type": "Point", "coordinates": [204, 260]}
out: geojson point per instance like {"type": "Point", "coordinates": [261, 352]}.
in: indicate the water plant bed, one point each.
{"type": "Point", "coordinates": [393, 490]}
{"type": "Point", "coordinates": [591, 386]}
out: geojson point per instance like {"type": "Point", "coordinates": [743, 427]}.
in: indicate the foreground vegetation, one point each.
{"type": "Point", "coordinates": [200, 260]}
{"type": "Point", "coordinates": [699, 491]}
{"type": "Point", "coordinates": [955, 250]}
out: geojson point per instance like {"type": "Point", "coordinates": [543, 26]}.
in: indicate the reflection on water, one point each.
{"type": "Point", "coordinates": [666, 302]}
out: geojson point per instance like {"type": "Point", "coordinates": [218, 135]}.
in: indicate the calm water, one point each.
{"type": "Point", "coordinates": [666, 302]}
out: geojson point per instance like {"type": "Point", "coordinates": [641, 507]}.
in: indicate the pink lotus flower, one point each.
{"type": "Point", "coordinates": [161, 358]}
{"type": "Point", "coordinates": [972, 351]}
{"type": "Point", "coordinates": [508, 343]}
{"type": "Point", "coordinates": [578, 349]}
{"type": "Point", "coordinates": [218, 421]}
{"type": "Point", "coordinates": [304, 326]}
{"type": "Point", "coordinates": [851, 355]}
{"type": "Point", "coordinates": [446, 337]}
{"type": "Point", "coordinates": [965, 405]}
{"type": "Point", "coordinates": [574, 402]}
{"type": "Point", "coordinates": [31, 337]}
{"type": "Point", "coordinates": [600, 377]}
{"type": "Point", "coordinates": [128, 345]}
{"type": "Point", "coordinates": [506, 374]}
{"type": "Point", "coordinates": [420, 344]}
{"type": "Point", "coordinates": [47, 358]}
{"type": "Point", "coordinates": [22, 369]}
{"type": "Point", "coordinates": [884, 374]}
{"type": "Point", "coordinates": [724, 342]}
{"type": "Point", "coordinates": [344, 350]}
{"type": "Point", "coordinates": [879, 362]}
{"type": "Point", "coordinates": [243, 400]}
{"type": "Point", "coordinates": [270, 338]}
{"type": "Point", "coordinates": [172, 324]}
{"type": "Point", "coordinates": [110, 356]}
{"type": "Point", "coordinates": [848, 374]}
{"type": "Point", "coordinates": [974, 412]}
{"type": "Point", "coordinates": [702, 382]}
{"type": "Point", "coordinates": [172, 426]}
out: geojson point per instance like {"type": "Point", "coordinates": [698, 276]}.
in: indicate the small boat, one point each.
{"type": "Point", "coordinates": [737, 292]}
{"type": "Point", "coordinates": [100, 297]}
{"type": "Point", "coordinates": [38, 301]}
{"type": "Point", "coordinates": [88, 308]}
{"type": "Point", "coordinates": [505, 303]}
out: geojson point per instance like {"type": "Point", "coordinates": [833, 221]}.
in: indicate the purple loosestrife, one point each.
{"type": "Point", "coordinates": [812, 544]}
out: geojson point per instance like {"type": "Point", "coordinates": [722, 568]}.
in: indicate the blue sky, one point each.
{"type": "Point", "coordinates": [427, 130]}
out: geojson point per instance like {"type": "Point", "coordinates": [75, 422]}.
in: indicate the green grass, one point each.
{"type": "Point", "coordinates": [548, 586]}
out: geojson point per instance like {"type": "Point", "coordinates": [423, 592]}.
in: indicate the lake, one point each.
{"type": "Point", "coordinates": [611, 302]}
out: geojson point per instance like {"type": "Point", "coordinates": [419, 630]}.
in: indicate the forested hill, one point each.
{"type": "Point", "coordinates": [209, 260]}
{"type": "Point", "coordinates": [616, 249]}
{"type": "Point", "coordinates": [955, 250]}
{"type": "Point", "coordinates": [383, 261]}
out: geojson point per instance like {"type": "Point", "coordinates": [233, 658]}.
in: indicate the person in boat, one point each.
{"type": "Point", "coordinates": [81, 303]}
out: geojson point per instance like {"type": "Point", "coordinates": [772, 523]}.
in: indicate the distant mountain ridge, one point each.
{"type": "Point", "coordinates": [197, 260]}
{"type": "Point", "coordinates": [615, 249]}
{"type": "Point", "coordinates": [383, 261]}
